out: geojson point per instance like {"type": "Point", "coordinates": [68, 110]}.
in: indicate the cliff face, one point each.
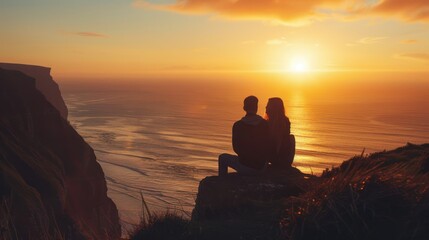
{"type": "Point", "coordinates": [246, 207]}
{"type": "Point", "coordinates": [235, 193]}
{"type": "Point", "coordinates": [44, 83]}
{"type": "Point", "coordinates": [51, 184]}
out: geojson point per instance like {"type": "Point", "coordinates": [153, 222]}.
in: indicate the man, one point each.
{"type": "Point", "coordinates": [249, 140]}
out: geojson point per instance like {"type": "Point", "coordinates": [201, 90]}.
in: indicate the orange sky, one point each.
{"type": "Point", "coordinates": [133, 39]}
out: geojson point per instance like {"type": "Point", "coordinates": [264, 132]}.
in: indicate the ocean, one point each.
{"type": "Point", "coordinates": [159, 138]}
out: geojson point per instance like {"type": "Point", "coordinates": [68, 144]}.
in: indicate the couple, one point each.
{"type": "Point", "coordinates": [258, 142]}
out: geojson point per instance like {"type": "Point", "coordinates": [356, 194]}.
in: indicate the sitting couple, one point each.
{"type": "Point", "coordinates": [260, 142]}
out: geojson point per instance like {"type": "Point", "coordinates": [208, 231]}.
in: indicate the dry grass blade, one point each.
{"type": "Point", "coordinates": [146, 215]}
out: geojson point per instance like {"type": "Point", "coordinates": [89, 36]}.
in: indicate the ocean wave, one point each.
{"type": "Point", "coordinates": [124, 154]}
{"type": "Point", "coordinates": [134, 169]}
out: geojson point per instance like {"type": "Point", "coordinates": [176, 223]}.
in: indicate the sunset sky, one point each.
{"type": "Point", "coordinates": [125, 38]}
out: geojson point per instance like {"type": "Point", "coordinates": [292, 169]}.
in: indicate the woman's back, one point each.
{"type": "Point", "coordinates": [283, 148]}
{"type": "Point", "coordinates": [282, 142]}
{"type": "Point", "coordinates": [285, 155]}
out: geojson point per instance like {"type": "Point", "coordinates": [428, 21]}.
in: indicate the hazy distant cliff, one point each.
{"type": "Point", "coordinates": [51, 184]}
{"type": "Point", "coordinates": [44, 83]}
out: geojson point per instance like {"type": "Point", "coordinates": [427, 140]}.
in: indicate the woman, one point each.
{"type": "Point", "coordinates": [282, 142]}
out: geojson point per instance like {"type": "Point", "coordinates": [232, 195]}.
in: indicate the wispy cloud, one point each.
{"type": "Point", "coordinates": [409, 41]}
{"type": "Point", "coordinates": [366, 41]}
{"type": "Point", "coordinates": [297, 12]}
{"type": "Point", "coordinates": [90, 34]}
{"type": "Point", "coordinates": [414, 56]}
{"type": "Point", "coordinates": [276, 41]}
{"type": "Point", "coordinates": [409, 10]}
{"type": "Point", "coordinates": [370, 40]}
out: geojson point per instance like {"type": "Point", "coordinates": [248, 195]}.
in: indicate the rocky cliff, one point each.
{"type": "Point", "coordinates": [246, 207]}
{"type": "Point", "coordinates": [44, 83]}
{"type": "Point", "coordinates": [51, 184]}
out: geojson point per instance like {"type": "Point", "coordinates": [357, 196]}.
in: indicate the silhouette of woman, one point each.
{"type": "Point", "coordinates": [282, 142]}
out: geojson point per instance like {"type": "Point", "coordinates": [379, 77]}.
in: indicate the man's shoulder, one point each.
{"type": "Point", "coordinates": [238, 123]}
{"type": "Point", "coordinates": [260, 121]}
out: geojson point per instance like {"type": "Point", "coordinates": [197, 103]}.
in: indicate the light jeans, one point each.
{"type": "Point", "coordinates": [232, 161]}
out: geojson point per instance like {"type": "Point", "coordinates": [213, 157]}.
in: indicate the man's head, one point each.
{"type": "Point", "coordinates": [251, 104]}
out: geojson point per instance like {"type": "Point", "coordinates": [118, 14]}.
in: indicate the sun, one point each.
{"type": "Point", "coordinates": [299, 65]}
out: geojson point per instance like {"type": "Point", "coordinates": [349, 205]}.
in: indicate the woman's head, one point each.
{"type": "Point", "coordinates": [275, 108]}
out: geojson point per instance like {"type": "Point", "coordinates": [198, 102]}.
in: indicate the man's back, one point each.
{"type": "Point", "coordinates": [250, 141]}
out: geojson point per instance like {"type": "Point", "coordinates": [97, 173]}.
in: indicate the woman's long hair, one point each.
{"type": "Point", "coordinates": [277, 120]}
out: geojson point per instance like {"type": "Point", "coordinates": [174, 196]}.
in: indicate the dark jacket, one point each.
{"type": "Point", "coordinates": [250, 140]}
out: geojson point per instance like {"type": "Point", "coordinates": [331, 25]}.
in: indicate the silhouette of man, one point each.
{"type": "Point", "coordinates": [250, 140]}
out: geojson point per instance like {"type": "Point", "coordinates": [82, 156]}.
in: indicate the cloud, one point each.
{"type": "Point", "coordinates": [285, 11]}
{"type": "Point", "coordinates": [409, 41]}
{"type": "Point", "coordinates": [366, 41]}
{"type": "Point", "coordinates": [410, 10]}
{"type": "Point", "coordinates": [90, 34]}
{"type": "Point", "coordinates": [370, 40]}
{"type": "Point", "coordinates": [415, 56]}
{"type": "Point", "coordinates": [297, 12]}
{"type": "Point", "coordinates": [276, 41]}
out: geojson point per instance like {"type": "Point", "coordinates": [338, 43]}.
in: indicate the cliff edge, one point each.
{"type": "Point", "coordinates": [246, 207]}
{"type": "Point", "coordinates": [44, 83]}
{"type": "Point", "coordinates": [51, 184]}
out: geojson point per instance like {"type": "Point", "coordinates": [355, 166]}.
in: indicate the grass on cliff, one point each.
{"type": "Point", "coordinates": [9, 226]}
{"type": "Point", "coordinates": [175, 226]}
{"type": "Point", "coordinates": [169, 225]}
{"type": "Point", "coordinates": [380, 196]}
{"type": "Point", "coordinates": [160, 226]}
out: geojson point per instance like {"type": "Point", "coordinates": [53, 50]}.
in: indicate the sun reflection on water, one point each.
{"type": "Point", "coordinates": [298, 115]}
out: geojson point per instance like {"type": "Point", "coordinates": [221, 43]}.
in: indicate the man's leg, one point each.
{"type": "Point", "coordinates": [225, 161]}
{"type": "Point", "coordinates": [232, 161]}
